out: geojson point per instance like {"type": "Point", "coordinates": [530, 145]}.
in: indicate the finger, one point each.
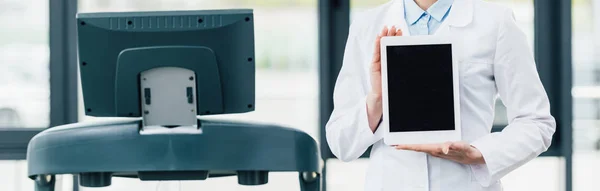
{"type": "Point", "coordinates": [406, 147]}
{"type": "Point", "coordinates": [376, 53]}
{"type": "Point", "coordinates": [392, 31]}
{"type": "Point", "coordinates": [453, 155]}
{"type": "Point", "coordinates": [459, 146]}
{"type": "Point", "coordinates": [384, 31]}
{"type": "Point", "coordinates": [428, 148]}
{"type": "Point", "coordinates": [441, 156]}
{"type": "Point", "coordinates": [446, 147]}
{"type": "Point", "coordinates": [399, 32]}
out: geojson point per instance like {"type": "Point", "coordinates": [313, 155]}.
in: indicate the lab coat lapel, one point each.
{"type": "Point", "coordinates": [461, 14]}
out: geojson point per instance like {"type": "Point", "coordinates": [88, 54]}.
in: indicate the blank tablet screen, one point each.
{"type": "Point", "coordinates": [420, 88]}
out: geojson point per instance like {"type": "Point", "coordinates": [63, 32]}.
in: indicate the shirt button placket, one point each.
{"type": "Point", "coordinates": [423, 24]}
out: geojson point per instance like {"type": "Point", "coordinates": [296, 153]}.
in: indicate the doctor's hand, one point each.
{"type": "Point", "coordinates": [374, 103]}
{"type": "Point", "coordinates": [460, 152]}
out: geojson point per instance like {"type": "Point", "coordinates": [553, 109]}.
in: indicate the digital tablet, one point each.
{"type": "Point", "coordinates": [420, 90]}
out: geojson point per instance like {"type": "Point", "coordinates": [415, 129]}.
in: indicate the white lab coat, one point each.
{"type": "Point", "coordinates": [494, 59]}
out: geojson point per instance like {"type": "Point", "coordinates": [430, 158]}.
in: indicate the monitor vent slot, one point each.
{"type": "Point", "coordinates": [165, 22]}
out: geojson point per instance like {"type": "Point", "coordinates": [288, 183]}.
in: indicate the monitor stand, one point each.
{"type": "Point", "coordinates": [168, 96]}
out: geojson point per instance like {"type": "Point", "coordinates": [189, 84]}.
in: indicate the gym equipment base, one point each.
{"type": "Point", "coordinates": [98, 151]}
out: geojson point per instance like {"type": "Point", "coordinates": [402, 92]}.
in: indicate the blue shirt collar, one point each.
{"type": "Point", "coordinates": [438, 10]}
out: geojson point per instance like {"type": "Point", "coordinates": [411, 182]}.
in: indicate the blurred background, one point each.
{"type": "Point", "coordinates": [39, 86]}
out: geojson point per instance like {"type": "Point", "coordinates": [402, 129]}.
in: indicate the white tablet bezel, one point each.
{"type": "Point", "coordinates": [419, 137]}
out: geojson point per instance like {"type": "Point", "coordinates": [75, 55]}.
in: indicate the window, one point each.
{"type": "Point", "coordinates": [24, 59]}
{"type": "Point", "coordinates": [286, 72]}
{"type": "Point", "coordinates": [586, 93]}
{"type": "Point", "coordinates": [15, 174]}
{"type": "Point", "coordinates": [24, 79]}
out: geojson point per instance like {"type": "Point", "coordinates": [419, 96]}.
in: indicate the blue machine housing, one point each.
{"type": "Point", "coordinates": [115, 148]}
{"type": "Point", "coordinates": [218, 45]}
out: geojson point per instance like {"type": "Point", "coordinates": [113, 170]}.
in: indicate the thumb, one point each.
{"type": "Point", "coordinates": [446, 147]}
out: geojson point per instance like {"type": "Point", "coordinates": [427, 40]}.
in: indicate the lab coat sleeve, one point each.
{"type": "Point", "coordinates": [347, 131]}
{"type": "Point", "coordinates": [531, 126]}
